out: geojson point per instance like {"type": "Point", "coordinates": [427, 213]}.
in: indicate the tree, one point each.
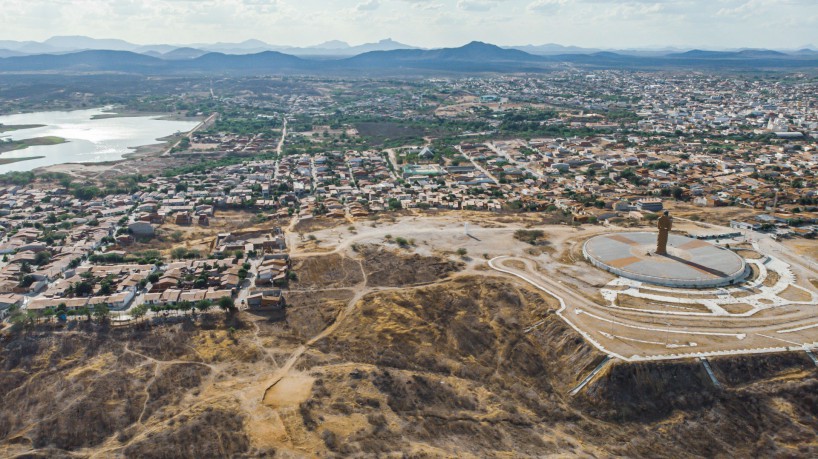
{"type": "Point", "coordinates": [49, 314]}
{"type": "Point", "coordinates": [139, 311]}
{"type": "Point", "coordinates": [227, 304]}
{"type": "Point", "coordinates": [101, 312]}
{"type": "Point", "coordinates": [185, 306]}
{"type": "Point", "coordinates": [462, 252]}
{"type": "Point", "coordinates": [678, 193]}
{"type": "Point", "coordinates": [83, 288]}
{"type": "Point", "coordinates": [84, 311]}
{"type": "Point", "coordinates": [203, 305]}
{"type": "Point", "coordinates": [27, 280]}
{"type": "Point", "coordinates": [105, 287]}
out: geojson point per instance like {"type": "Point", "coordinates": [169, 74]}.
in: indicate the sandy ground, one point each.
{"type": "Point", "coordinates": [714, 215]}
{"type": "Point", "coordinates": [804, 247]}
{"type": "Point", "coordinates": [198, 237]}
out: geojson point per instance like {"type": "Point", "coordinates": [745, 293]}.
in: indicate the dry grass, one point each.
{"type": "Point", "coordinates": [772, 279]}
{"type": "Point", "coordinates": [514, 264]}
{"type": "Point", "coordinates": [681, 294]}
{"type": "Point", "coordinates": [197, 237]}
{"type": "Point", "coordinates": [804, 247]}
{"type": "Point", "coordinates": [749, 254]}
{"type": "Point", "coordinates": [737, 308]}
{"type": "Point", "coordinates": [797, 294]}
{"type": "Point", "coordinates": [326, 271]}
{"type": "Point", "coordinates": [630, 302]}
{"type": "Point", "coordinates": [715, 215]}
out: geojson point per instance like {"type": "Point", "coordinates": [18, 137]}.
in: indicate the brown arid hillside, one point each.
{"type": "Point", "coordinates": [417, 367]}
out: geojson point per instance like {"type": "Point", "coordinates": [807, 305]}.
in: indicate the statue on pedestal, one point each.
{"type": "Point", "coordinates": [665, 225]}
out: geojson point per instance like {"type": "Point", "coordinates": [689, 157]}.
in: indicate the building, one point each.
{"type": "Point", "coordinates": [183, 218]}
{"type": "Point", "coordinates": [7, 301]}
{"type": "Point", "coordinates": [268, 300]}
{"type": "Point", "coordinates": [141, 229]}
{"type": "Point", "coordinates": [649, 205]}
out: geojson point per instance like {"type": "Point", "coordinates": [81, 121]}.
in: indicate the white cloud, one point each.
{"type": "Point", "coordinates": [591, 23]}
{"type": "Point", "coordinates": [476, 5]}
{"type": "Point", "coordinates": [369, 5]}
{"type": "Point", "coordinates": [546, 6]}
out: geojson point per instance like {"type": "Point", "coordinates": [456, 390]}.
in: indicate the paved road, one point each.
{"type": "Point", "coordinates": [512, 161]}
{"type": "Point", "coordinates": [203, 125]}
{"type": "Point", "coordinates": [478, 166]}
{"type": "Point", "coordinates": [280, 148]}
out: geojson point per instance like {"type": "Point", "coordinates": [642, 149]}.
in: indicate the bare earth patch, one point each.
{"type": "Point", "coordinates": [326, 271]}
{"type": "Point", "coordinates": [290, 391]}
{"type": "Point", "coordinates": [793, 293]}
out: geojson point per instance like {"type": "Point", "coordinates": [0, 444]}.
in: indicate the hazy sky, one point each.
{"type": "Point", "coordinates": [429, 23]}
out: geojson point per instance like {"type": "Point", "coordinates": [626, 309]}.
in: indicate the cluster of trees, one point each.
{"type": "Point", "coordinates": [27, 319]}
{"type": "Point", "coordinates": [533, 237]}
{"type": "Point", "coordinates": [622, 116]}
{"type": "Point", "coordinates": [528, 116]}
{"type": "Point", "coordinates": [239, 123]}
{"type": "Point", "coordinates": [226, 304]}
{"type": "Point", "coordinates": [678, 193]}
{"type": "Point", "coordinates": [630, 175]}
{"type": "Point", "coordinates": [148, 257]}
{"type": "Point", "coordinates": [204, 166]}
{"type": "Point", "coordinates": [181, 253]}
{"type": "Point", "coordinates": [27, 177]}
{"type": "Point", "coordinates": [101, 313]}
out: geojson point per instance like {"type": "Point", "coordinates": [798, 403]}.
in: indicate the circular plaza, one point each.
{"type": "Point", "coordinates": [689, 263]}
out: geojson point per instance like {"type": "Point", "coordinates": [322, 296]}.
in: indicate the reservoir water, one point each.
{"type": "Point", "coordinates": [89, 140]}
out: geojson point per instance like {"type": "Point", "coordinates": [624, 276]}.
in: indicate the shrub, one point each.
{"type": "Point", "coordinates": [533, 237]}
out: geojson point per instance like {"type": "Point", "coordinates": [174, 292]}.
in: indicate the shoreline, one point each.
{"type": "Point", "coordinates": [137, 153]}
{"type": "Point", "coordinates": [107, 113]}
{"type": "Point", "coordinates": [17, 145]}
{"type": "Point", "coordinates": [18, 127]}
{"type": "Point", "coordinates": [162, 116]}
{"type": "Point", "coordinates": [5, 161]}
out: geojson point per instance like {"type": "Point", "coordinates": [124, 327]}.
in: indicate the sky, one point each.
{"type": "Point", "coordinates": [711, 24]}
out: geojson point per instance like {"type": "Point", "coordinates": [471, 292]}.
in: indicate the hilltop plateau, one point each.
{"type": "Point", "coordinates": [438, 363]}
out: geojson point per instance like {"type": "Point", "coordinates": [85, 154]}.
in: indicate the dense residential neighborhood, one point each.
{"type": "Point", "coordinates": [617, 146]}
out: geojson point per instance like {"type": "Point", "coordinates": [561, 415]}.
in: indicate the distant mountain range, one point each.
{"type": "Point", "coordinates": [332, 48]}
{"type": "Point", "coordinates": [67, 44]}
{"type": "Point", "coordinates": [384, 57]}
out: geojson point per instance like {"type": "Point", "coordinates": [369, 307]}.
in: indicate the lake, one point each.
{"type": "Point", "coordinates": [89, 140]}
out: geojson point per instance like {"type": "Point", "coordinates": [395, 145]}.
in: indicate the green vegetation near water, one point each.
{"type": "Point", "coordinates": [4, 161]}
{"type": "Point", "coordinates": [11, 145]}
{"type": "Point", "coordinates": [18, 127]}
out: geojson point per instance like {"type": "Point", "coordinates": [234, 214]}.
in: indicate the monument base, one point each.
{"type": "Point", "coordinates": [688, 263]}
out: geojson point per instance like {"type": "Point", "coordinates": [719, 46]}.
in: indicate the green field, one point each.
{"type": "Point", "coordinates": [25, 143]}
